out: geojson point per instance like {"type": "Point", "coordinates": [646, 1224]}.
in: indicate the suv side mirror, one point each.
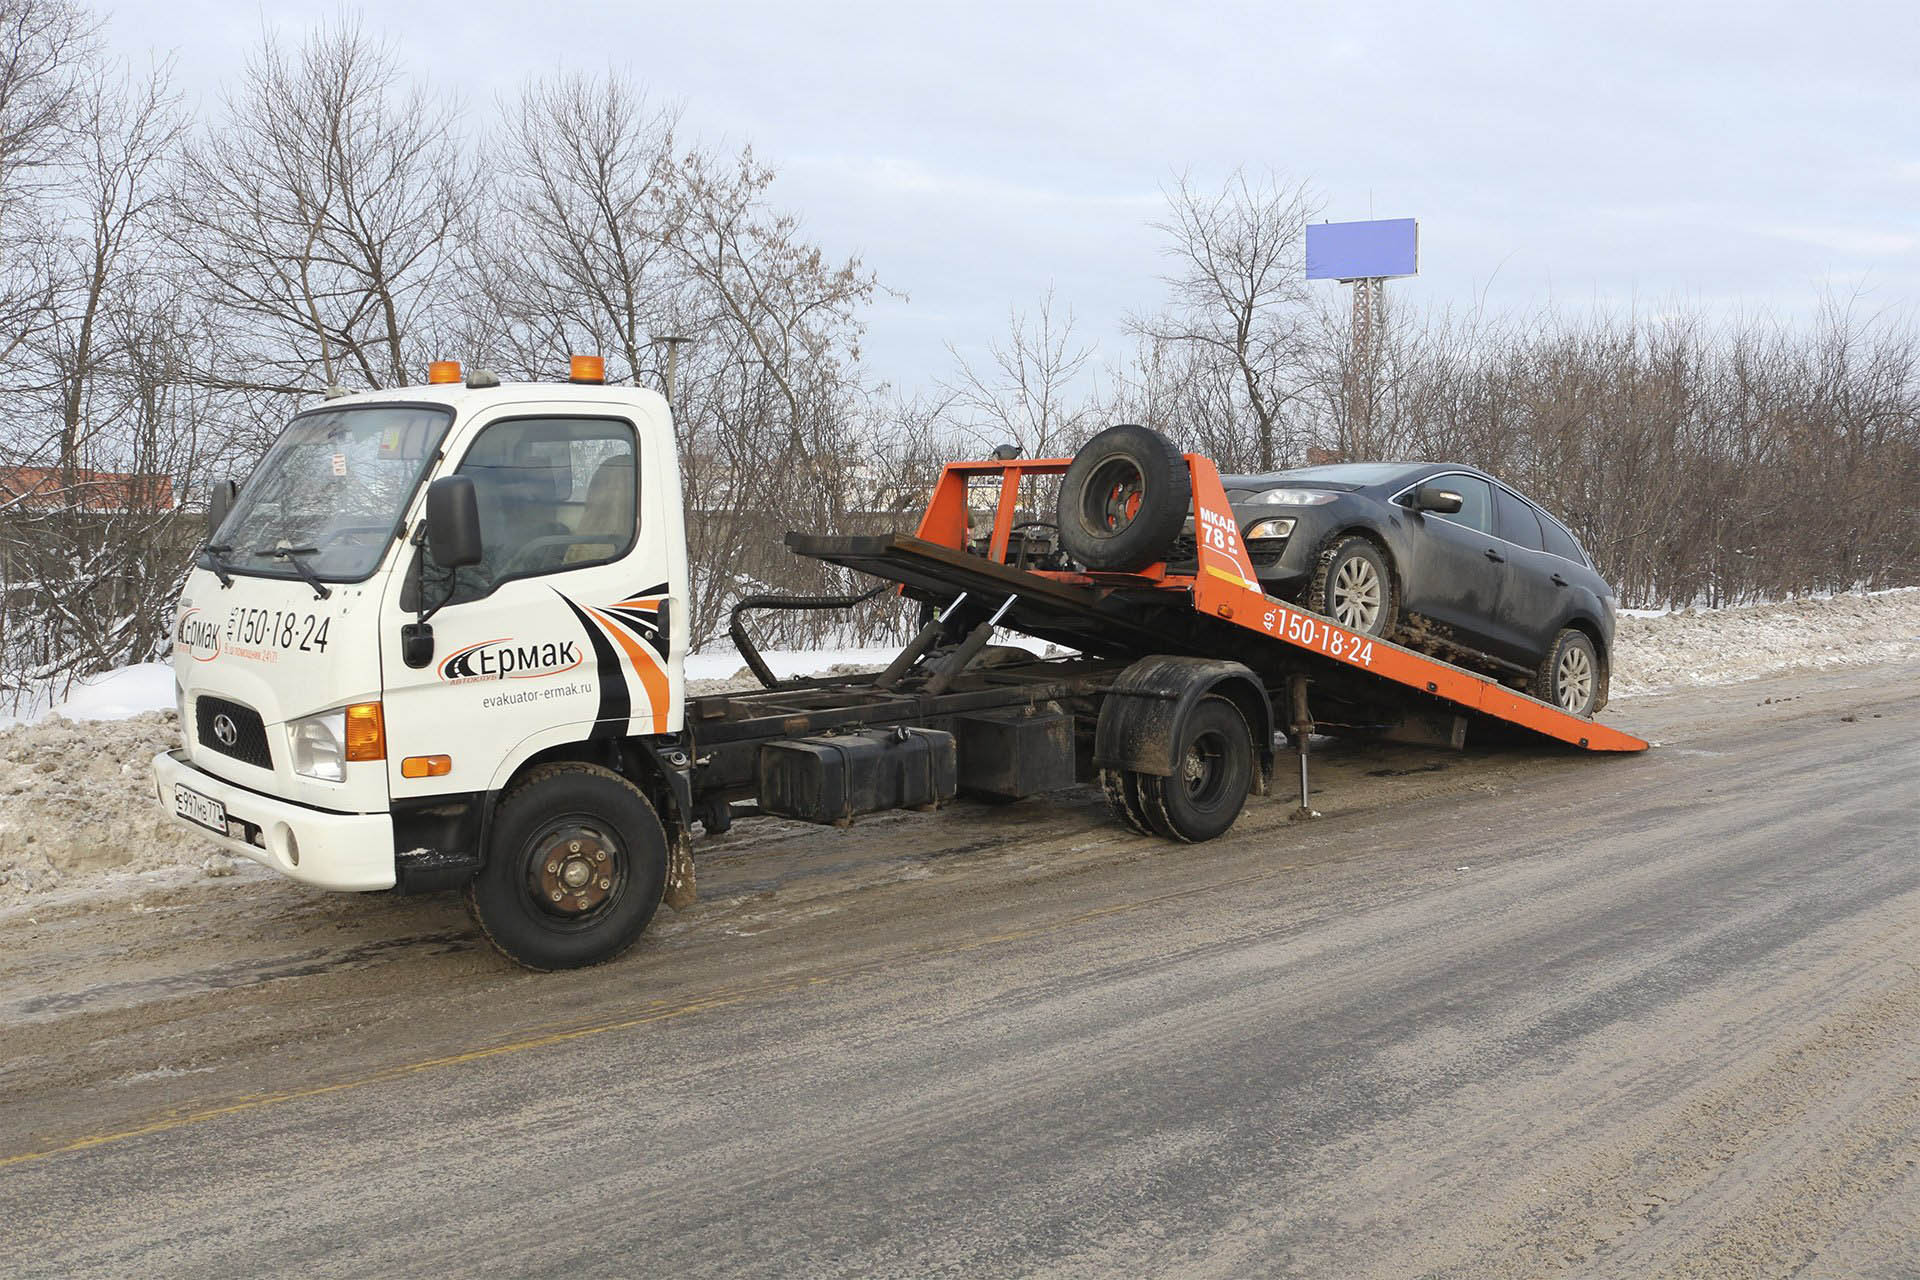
{"type": "Point", "coordinates": [453, 522]}
{"type": "Point", "coordinates": [1431, 497]}
{"type": "Point", "coordinates": [219, 503]}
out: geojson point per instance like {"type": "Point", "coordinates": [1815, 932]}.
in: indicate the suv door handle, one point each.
{"type": "Point", "coordinates": [1495, 556]}
{"type": "Point", "coordinates": [1559, 581]}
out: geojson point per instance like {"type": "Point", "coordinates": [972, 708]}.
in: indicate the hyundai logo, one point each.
{"type": "Point", "coordinates": [225, 729]}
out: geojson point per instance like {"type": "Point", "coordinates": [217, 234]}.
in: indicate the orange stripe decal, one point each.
{"type": "Point", "coordinates": [652, 678]}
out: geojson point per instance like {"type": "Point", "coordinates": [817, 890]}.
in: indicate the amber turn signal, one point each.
{"type": "Point", "coordinates": [586, 369]}
{"type": "Point", "coordinates": [366, 732]}
{"type": "Point", "coordinates": [443, 371]}
{"type": "Point", "coordinates": [426, 766]}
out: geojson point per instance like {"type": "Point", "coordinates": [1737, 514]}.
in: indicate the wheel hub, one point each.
{"type": "Point", "coordinates": [1200, 770]}
{"type": "Point", "coordinates": [1356, 595]}
{"type": "Point", "coordinates": [1114, 495]}
{"type": "Point", "coordinates": [1196, 769]}
{"type": "Point", "coordinates": [574, 872]}
{"type": "Point", "coordinates": [1576, 679]}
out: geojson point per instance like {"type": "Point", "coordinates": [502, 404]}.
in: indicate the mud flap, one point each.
{"type": "Point", "coordinates": [680, 892]}
{"type": "Point", "coordinates": [1150, 700]}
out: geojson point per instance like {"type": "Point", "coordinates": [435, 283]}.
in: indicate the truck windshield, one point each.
{"type": "Point", "coordinates": [332, 491]}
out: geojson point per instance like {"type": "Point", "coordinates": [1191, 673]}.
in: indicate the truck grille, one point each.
{"type": "Point", "coordinates": [249, 734]}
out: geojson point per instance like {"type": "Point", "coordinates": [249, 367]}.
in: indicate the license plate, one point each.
{"type": "Point", "coordinates": [194, 807]}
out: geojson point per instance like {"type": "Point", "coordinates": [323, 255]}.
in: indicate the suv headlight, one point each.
{"type": "Point", "coordinates": [317, 745]}
{"type": "Point", "coordinates": [1280, 527]}
{"type": "Point", "coordinates": [1292, 498]}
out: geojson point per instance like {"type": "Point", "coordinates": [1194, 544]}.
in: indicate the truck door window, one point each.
{"type": "Point", "coordinates": [555, 494]}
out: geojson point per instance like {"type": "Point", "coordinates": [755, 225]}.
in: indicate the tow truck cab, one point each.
{"type": "Point", "coordinates": [348, 705]}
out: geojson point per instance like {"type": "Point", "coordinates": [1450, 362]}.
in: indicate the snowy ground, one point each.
{"type": "Point", "coordinates": [78, 817]}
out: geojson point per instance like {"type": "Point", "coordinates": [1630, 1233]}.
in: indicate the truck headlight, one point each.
{"type": "Point", "coordinates": [317, 749]}
{"type": "Point", "coordinates": [1277, 528]}
{"type": "Point", "coordinates": [1292, 498]}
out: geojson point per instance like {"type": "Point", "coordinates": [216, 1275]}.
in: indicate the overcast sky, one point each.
{"type": "Point", "coordinates": [1741, 157]}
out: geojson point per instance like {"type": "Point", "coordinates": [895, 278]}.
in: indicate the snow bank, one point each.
{"type": "Point", "coordinates": [724, 672]}
{"type": "Point", "coordinates": [130, 691]}
{"type": "Point", "coordinates": [118, 695]}
{"type": "Point", "coordinates": [77, 802]}
{"type": "Point", "coordinates": [1715, 646]}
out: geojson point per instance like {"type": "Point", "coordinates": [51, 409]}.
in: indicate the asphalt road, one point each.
{"type": "Point", "coordinates": [1496, 1014]}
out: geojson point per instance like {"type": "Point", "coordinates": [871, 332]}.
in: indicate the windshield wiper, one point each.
{"type": "Point", "coordinates": [292, 556]}
{"type": "Point", "coordinates": [215, 554]}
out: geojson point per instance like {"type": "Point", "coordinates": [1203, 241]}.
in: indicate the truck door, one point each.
{"type": "Point", "coordinates": [564, 630]}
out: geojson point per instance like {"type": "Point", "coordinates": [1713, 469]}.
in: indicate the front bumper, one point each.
{"type": "Point", "coordinates": [332, 850]}
{"type": "Point", "coordinates": [1285, 565]}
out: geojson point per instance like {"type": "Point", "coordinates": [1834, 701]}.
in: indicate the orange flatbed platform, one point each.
{"type": "Point", "coordinates": [1217, 610]}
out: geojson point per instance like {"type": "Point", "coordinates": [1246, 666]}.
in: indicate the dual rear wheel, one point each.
{"type": "Point", "coordinates": [1213, 774]}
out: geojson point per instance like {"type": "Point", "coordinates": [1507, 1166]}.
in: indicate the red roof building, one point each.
{"type": "Point", "coordinates": [107, 492]}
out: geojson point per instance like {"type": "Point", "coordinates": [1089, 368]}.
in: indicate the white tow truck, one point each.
{"type": "Point", "coordinates": [437, 642]}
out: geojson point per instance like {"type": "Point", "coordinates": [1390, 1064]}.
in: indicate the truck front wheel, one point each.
{"type": "Point", "coordinates": [576, 865]}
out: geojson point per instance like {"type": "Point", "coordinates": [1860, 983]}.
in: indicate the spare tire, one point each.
{"type": "Point", "coordinates": [1124, 499]}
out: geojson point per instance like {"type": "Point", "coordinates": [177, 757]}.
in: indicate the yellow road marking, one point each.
{"type": "Point", "coordinates": [713, 1000]}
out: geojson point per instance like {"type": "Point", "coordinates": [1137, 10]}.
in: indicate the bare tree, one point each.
{"type": "Point", "coordinates": [1237, 291]}
{"type": "Point", "coordinates": [93, 545]}
{"type": "Point", "coordinates": [579, 256]}
{"type": "Point", "coordinates": [771, 395]}
{"type": "Point", "coordinates": [1032, 395]}
{"type": "Point", "coordinates": [48, 51]}
{"type": "Point", "coordinates": [132, 132]}
{"type": "Point", "coordinates": [322, 213]}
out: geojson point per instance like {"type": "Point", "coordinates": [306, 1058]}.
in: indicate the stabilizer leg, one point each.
{"type": "Point", "coordinates": [1300, 727]}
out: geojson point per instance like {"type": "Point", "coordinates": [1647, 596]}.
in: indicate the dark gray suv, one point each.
{"type": "Point", "coordinates": [1441, 557]}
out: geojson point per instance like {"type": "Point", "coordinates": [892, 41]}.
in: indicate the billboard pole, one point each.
{"type": "Point", "coordinates": [1369, 293]}
{"type": "Point", "coordinates": [1364, 255]}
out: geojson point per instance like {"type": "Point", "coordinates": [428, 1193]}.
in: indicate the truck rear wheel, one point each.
{"type": "Point", "coordinates": [1212, 775]}
{"type": "Point", "coordinates": [576, 865]}
{"type": "Point", "coordinates": [1124, 499]}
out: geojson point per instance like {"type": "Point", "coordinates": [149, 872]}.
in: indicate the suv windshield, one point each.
{"type": "Point", "coordinates": [331, 491]}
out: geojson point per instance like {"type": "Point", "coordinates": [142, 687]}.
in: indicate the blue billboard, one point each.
{"type": "Point", "coordinates": [1363, 250]}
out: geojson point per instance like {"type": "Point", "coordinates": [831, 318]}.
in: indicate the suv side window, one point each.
{"type": "Point", "coordinates": [555, 494]}
{"type": "Point", "coordinates": [1476, 501]}
{"type": "Point", "coordinates": [1518, 524]}
{"type": "Point", "coordinates": [1560, 542]}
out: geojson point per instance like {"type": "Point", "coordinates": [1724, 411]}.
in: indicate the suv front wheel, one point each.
{"type": "Point", "coordinates": [1353, 585]}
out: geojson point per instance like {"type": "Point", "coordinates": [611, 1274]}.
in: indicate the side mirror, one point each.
{"type": "Point", "coordinates": [453, 522]}
{"type": "Point", "coordinates": [1431, 497]}
{"type": "Point", "coordinates": [219, 503]}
